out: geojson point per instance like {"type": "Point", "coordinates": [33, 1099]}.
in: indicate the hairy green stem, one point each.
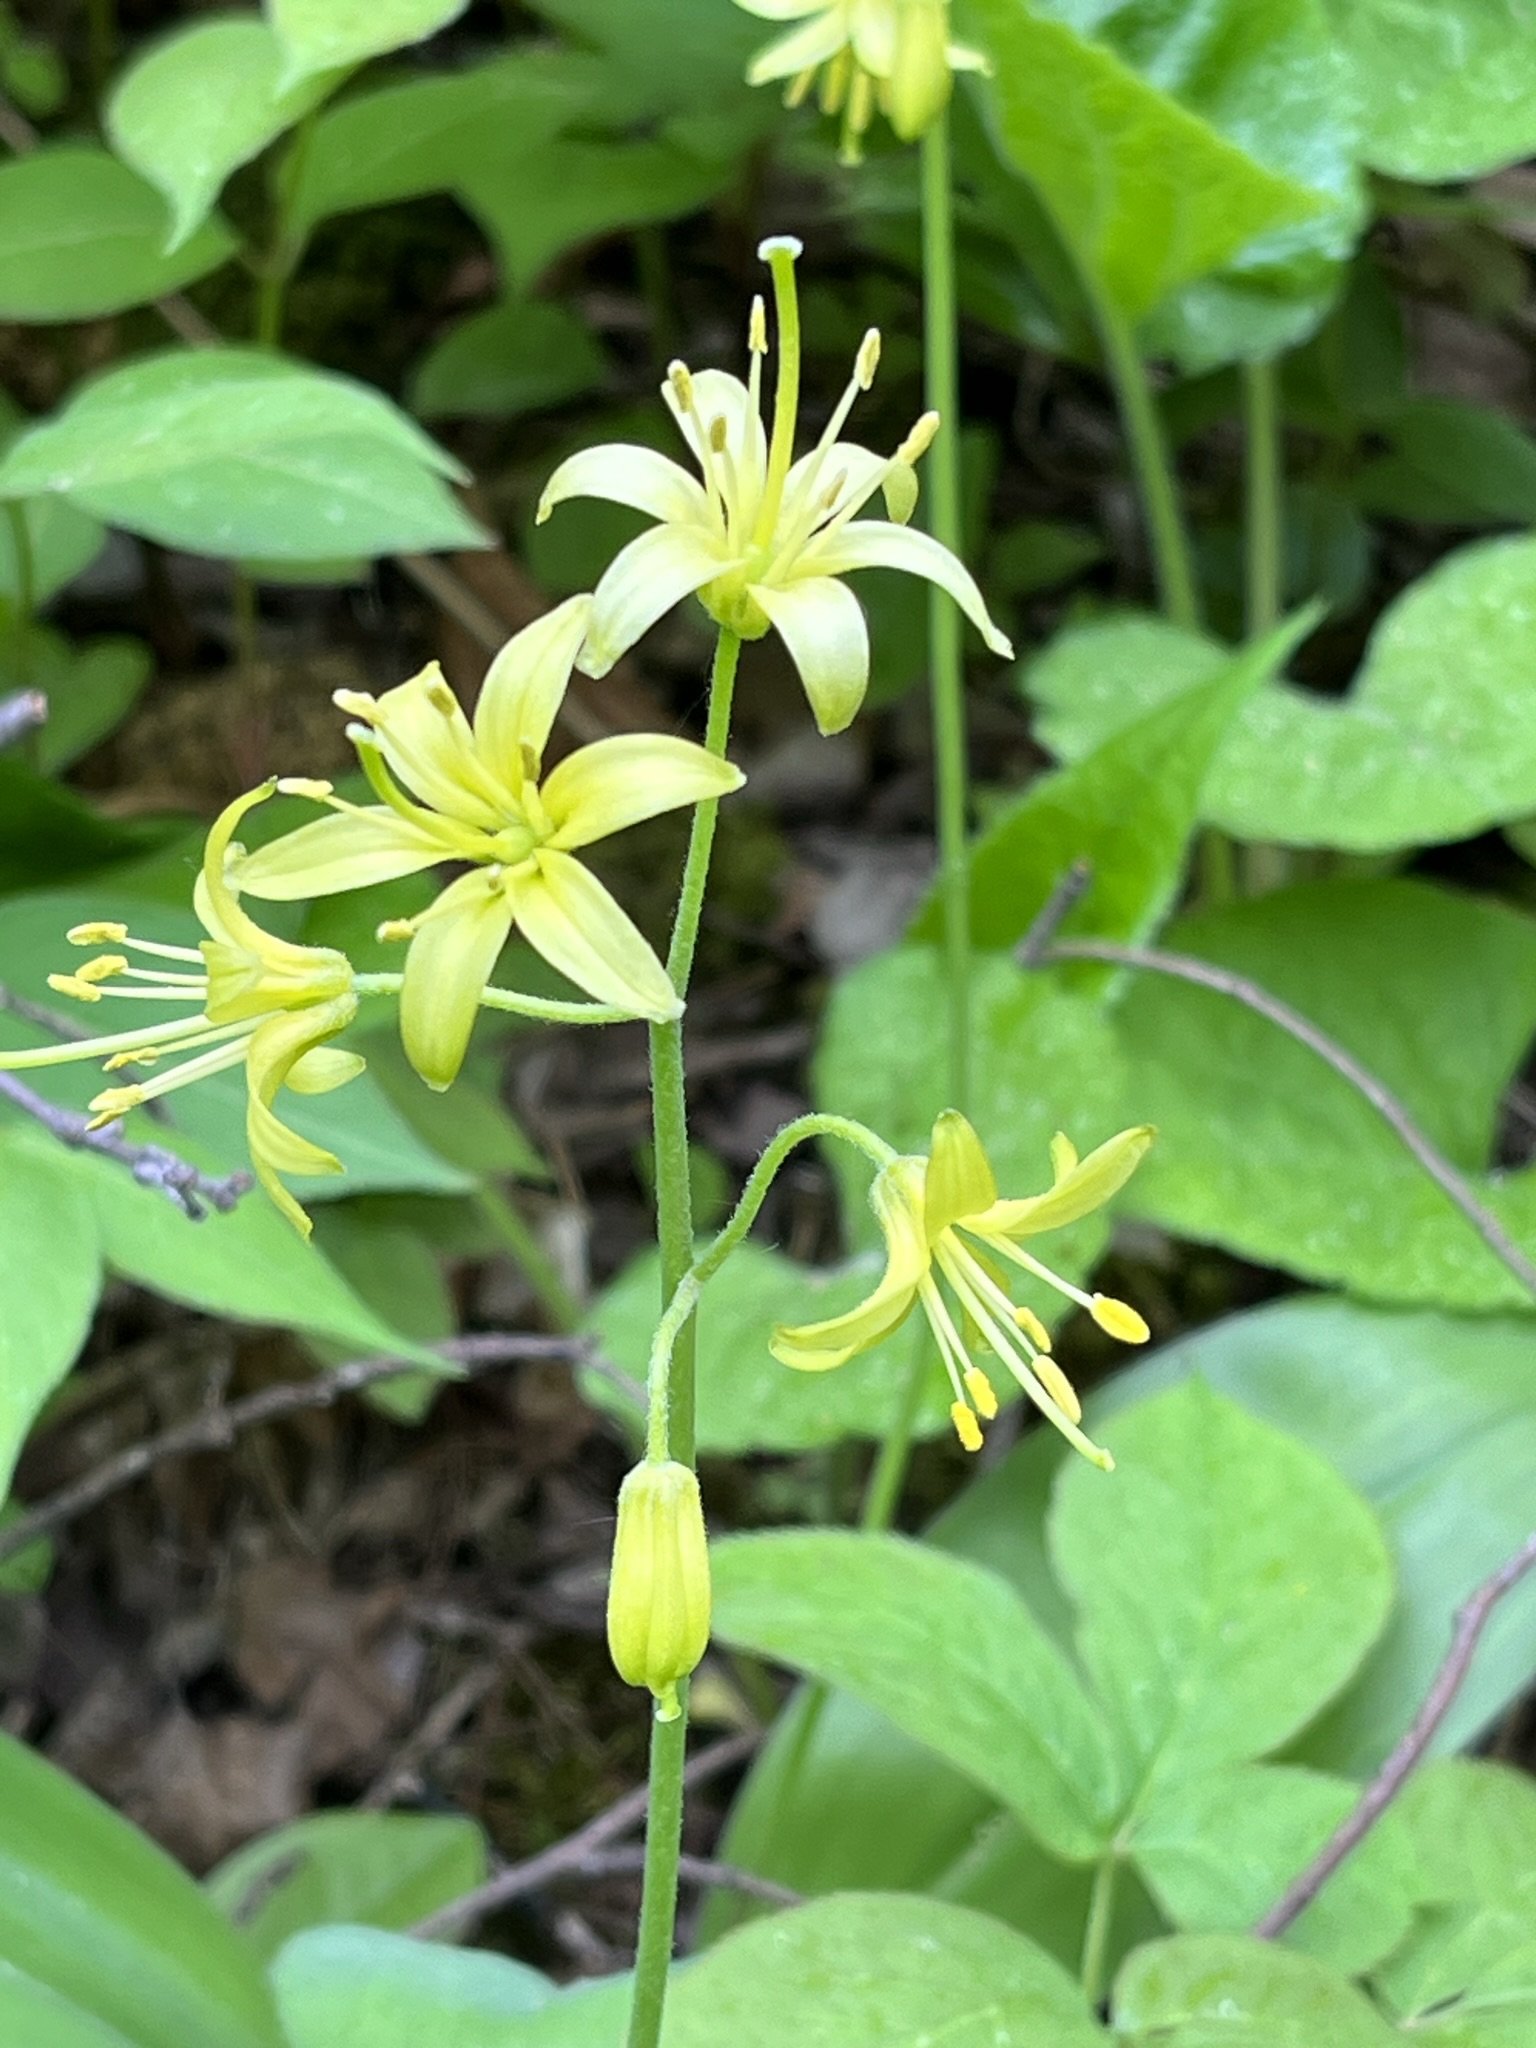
{"type": "Point", "coordinates": [512, 1002]}
{"type": "Point", "coordinates": [1264, 488]}
{"type": "Point", "coordinates": [674, 1432]}
{"type": "Point", "coordinates": [286, 252]}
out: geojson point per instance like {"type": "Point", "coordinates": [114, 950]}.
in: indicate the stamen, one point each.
{"type": "Point", "coordinates": [757, 326]}
{"type": "Point", "coordinates": [394, 930]}
{"type": "Point", "coordinates": [979, 1387]}
{"type": "Point", "coordinates": [1058, 1386]}
{"type": "Point", "coordinates": [680, 377]}
{"type": "Point", "coordinates": [113, 1101]}
{"type": "Point", "coordinates": [867, 361]}
{"type": "Point", "coordinates": [72, 985]}
{"type": "Point", "coordinates": [356, 704]}
{"type": "Point", "coordinates": [304, 785]}
{"type": "Point", "coordinates": [99, 934]}
{"type": "Point", "coordinates": [920, 440]}
{"type": "Point", "coordinates": [104, 967]}
{"type": "Point", "coordinates": [952, 1352]}
{"type": "Point", "coordinates": [1119, 1319]}
{"type": "Point", "coordinates": [1032, 1327]}
{"type": "Point", "coordinates": [799, 86]}
{"type": "Point", "coordinates": [967, 1428]}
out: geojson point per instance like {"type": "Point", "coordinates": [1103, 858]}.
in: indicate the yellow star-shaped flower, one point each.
{"type": "Point", "coordinates": [943, 1221]}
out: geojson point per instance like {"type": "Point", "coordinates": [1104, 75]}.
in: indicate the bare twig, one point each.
{"type": "Point", "coordinates": [1472, 1618]}
{"type": "Point", "coordinates": [216, 1428]}
{"type": "Point", "coordinates": [1054, 912]}
{"type": "Point", "coordinates": [699, 1870]}
{"type": "Point", "coordinates": [22, 712]}
{"type": "Point", "coordinates": [152, 1166]}
{"type": "Point", "coordinates": [562, 1859]}
{"type": "Point", "coordinates": [1184, 967]}
{"type": "Point", "coordinates": [51, 1021]}
{"type": "Point", "coordinates": [442, 1722]}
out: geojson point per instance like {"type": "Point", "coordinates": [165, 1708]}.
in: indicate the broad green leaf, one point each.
{"type": "Point", "coordinates": [201, 103]}
{"type": "Point", "coordinates": [48, 835]}
{"type": "Point", "coordinates": [1211, 1876]}
{"type": "Point", "coordinates": [1228, 1584]}
{"type": "Point", "coordinates": [234, 452]}
{"type": "Point", "coordinates": [1451, 462]}
{"type": "Point", "coordinates": [82, 235]}
{"type": "Point", "coordinates": [92, 1910]}
{"type": "Point", "coordinates": [1224, 1991]}
{"type": "Point", "coordinates": [421, 136]}
{"type": "Point", "coordinates": [30, 2012]}
{"type": "Point", "coordinates": [1128, 809]}
{"type": "Point", "coordinates": [1431, 742]}
{"type": "Point", "coordinates": [50, 1276]}
{"type": "Point", "coordinates": [1473, 1827]}
{"type": "Point", "coordinates": [384, 1870]}
{"type": "Point", "coordinates": [1148, 194]}
{"type": "Point", "coordinates": [396, 1273]}
{"type": "Point", "coordinates": [321, 35]}
{"type": "Point", "coordinates": [522, 356]}
{"type": "Point", "coordinates": [1446, 88]}
{"type": "Point", "coordinates": [593, 2013]}
{"type": "Point", "coordinates": [1266, 1151]}
{"type": "Point", "coordinates": [944, 1648]}
{"type": "Point", "coordinates": [380, 1990]}
{"type": "Point", "coordinates": [467, 1125]}
{"type": "Point", "coordinates": [60, 541]}
{"type": "Point", "coordinates": [90, 687]}
{"type": "Point", "coordinates": [667, 53]}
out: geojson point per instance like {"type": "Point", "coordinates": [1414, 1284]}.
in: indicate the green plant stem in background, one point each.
{"type": "Point", "coordinates": [247, 619]}
{"type": "Point", "coordinates": [1155, 480]}
{"type": "Point", "coordinates": [286, 252]}
{"type": "Point", "coordinates": [674, 1232]}
{"type": "Point", "coordinates": [1264, 483]}
{"type": "Point", "coordinates": [1101, 1913]}
{"type": "Point", "coordinates": [882, 1492]}
{"type": "Point", "coordinates": [521, 1242]}
{"type": "Point", "coordinates": [101, 44]}
{"type": "Point", "coordinates": [26, 595]}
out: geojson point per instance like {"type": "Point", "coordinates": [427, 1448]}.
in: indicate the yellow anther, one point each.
{"type": "Point", "coordinates": [356, 704]}
{"type": "Point", "coordinates": [867, 360]}
{"type": "Point", "coordinates": [112, 1103]}
{"type": "Point", "coordinates": [967, 1428]}
{"type": "Point", "coordinates": [72, 985]}
{"type": "Point", "coordinates": [920, 440]}
{"type": "Point", "coordinates": [143, 1056]}
{"type": "Point", "coordinates": [395, 929]}
{"type": "Point", "coordinates": [441, 698]}
{"type": "Point", "coordinates": [1032, 1327]}
{"type": "Point", "coordinates": [718, 433]}
{"type": "Point", "coordinates": [103, 967]}
{"type": "Point", "coordinates": [100, 934]}
{"type": "Point", "coordinates": [979, 1387]}
{"type": "Point", "coordinates": [1058, 1386]}
{"type": "Point", "coordinates": [1119, 1319]}
{"type": "Point", "coordinates": [757, 327]}
{"type": "Point", "coordinates": [680, 377]}
{"type": "Point", "coordinates": [834, 490]}
{"type": "Point", "coordinates": [304, 785]}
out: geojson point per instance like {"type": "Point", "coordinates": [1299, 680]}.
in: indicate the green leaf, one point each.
{"type": "Point", "coordinates": [399, 1276]}
{"type": "Point", "coordinates": [1429, 744]}
{"type": "Point", "coordinates": [359, 1984]}
{"type": "Point", "coordinates": [320, 35]}
{"type": "Point", "coordinates": [523, 356]}
{"type": "Point", "coordinates": [1128, 809]}
{"type": "Point", "coordinates": [90, 687]}
{"type": "Point", "coordinates": [1228, 1584]}
{"type": "Point", "coordinates": [405, 140]}
{"type": "Point", "coordinates": [1222, 1991]}
{"type": "Point", "coordinates": [49, 835]}
{"type": "Point", "coordinates": [467, 1125]}
{"type": "Point", "coordinates": [668, 53]}
{"type": "Point", "coordinates": [82, 235]}
{"type": "Point", "coordinates": [1451, 462]}
{"type": "Point", "coordinates": [60, 541]}
{"type": "Point", "coordinates": [230, 451]}
{"type": "Point", "coordinates": [30, 2012]}
{"type": "Point", "coordinates": [50, 1276]}
{"type": "Point", "coordinates": [1266, 1151]}
{"type": "Point", "coordinates": [1210, 1876]}
{"type": "Point", "coordinates": [202, 102]}
{"type": "Point", "coordinates": [92, 1910]}
{"type": "Point", "coordinates": [1445, 91]}
{"type": "Point", "coordinates": [384, 1870]}
{"type": "Point", "coordinates": [944, 1648]}
{"type": "Point", "coordinates": [1148, 193]}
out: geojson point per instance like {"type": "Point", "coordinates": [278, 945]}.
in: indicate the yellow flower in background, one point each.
{"type": "Point", "coordinates": [484, 798]}
{"type": "Point", "coordinates": [942, 1220]}
{"type": "Point", "coordinates": [252, 998]}
{"type": "Point", "coordinates": [860, 55]}
{"type": "Point", "coordinates": [764, 540]}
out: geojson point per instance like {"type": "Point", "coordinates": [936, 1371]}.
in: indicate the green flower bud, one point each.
{"type": "Point", "coordinates": [920, 78]}
{"type": "Point", "coordinates": [658, 1593]}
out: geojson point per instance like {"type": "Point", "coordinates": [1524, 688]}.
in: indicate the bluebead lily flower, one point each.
{"type": "Point", "coordinates": [481, 796]}
{"type": "Point", "coordinates": [894, 55]}
{"type": "Point", "coordinates": [764, 540]}
{"type": "Point", "coordinates": [945, 1227]}
{"type": "Point", "coordinates": [241, 996]}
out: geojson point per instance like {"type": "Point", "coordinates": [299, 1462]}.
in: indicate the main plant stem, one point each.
{"type": "Point", "coordinates": [1101, 1913]}
{"type": "Point", "coordinates": [1264, 486]}
{"type": "Point", "coordinates": [672, 1414]}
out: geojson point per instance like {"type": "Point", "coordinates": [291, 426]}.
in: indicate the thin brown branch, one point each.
{"type": "Point", "coordinates": [1472, 1617]}
{"type": "Point", "coordinates": [21, 713]}
{"type": "Point", "coordinates": [697, 1870]}
{"type": "Point", "coordinates": [152, 1166]}
{"type": "Point", "coordinates": [568, 1857]}
{"type": "Point", "coordinates": [216, 1428]}
{"type": "Point", "coordinates": [1184, 967]}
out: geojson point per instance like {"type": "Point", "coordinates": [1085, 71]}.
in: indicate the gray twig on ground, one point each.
{"type": "Point", "coordinates": [22, 712]}
{"type": "Point", "coordinates": [152, 1166]}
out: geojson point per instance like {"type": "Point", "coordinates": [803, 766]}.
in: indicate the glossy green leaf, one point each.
{"type": "Point", "coordinates": [1446, 90]}
{"type": "Point", "coordinates": [234, 452]}
{"type": "Point", "coordinates": [201, 103]}
{"type": "Point", "coordinates": [1128, 809]}
{"type": "Point", "coordinates": [1453, 463]}
{"type": "Point", "coordinates": [1220, 1849]}
{"type": "Point", "coordinates": [1148, 192]}
{"type": "Point", "coordinates": [319, 35]}
{"type": "Point", "coordinates": [93, 1911]}
{"type": "Point", "coordinates": [381, 1990]}
{"type": "Point", "coordinates": [944, 1648]}
{"type": "Point", "coordinates": [1225, 1991]}
{"type": "Point", "coordinates": [82, 235]}
{"type": "Point", "coordinates": [50, 1276]}
{"type": "Point", "coordinates": [1265, 1150]}
{"type": "Point", "coordinates": [385, 1870]}
{"type": "Point", "coordinates": [519, 357]}
{"type": "Point", "coordinates": [1431, 742]}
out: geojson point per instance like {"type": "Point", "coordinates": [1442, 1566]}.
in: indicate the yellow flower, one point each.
{"type": "Point", "coordinates": [934, 1213]}
{"type": "Point", "coordinates": [658, 1591]}
{"type": "Point", "coordinates": [764, 541]}
{"type": "Point", "coordinates": [252, 998]}
{"type": "Point", "coordinates": [485, 799]}
{"type": "Point", "coordinates": [892, 54]}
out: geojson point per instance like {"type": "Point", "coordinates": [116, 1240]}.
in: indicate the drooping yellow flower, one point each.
{"type": "Point", "coordinates": [658, 1589]}
{"type": "Point", "coordinates": [764, 540]}
{"type": "Point", "coordinates": [251, 998]}
{"type": "Point", "coordinates": [483, 798]}
{"type": "Point", "coordinates": [942, 1220]}
{"type": "Point", "coordinates": [894, 55]}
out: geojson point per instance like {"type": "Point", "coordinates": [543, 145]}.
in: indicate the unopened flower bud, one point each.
{"type": "Point", "coordinates": [658, 1593]}
{"type": "Point", "coordinates": [920, 76]}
